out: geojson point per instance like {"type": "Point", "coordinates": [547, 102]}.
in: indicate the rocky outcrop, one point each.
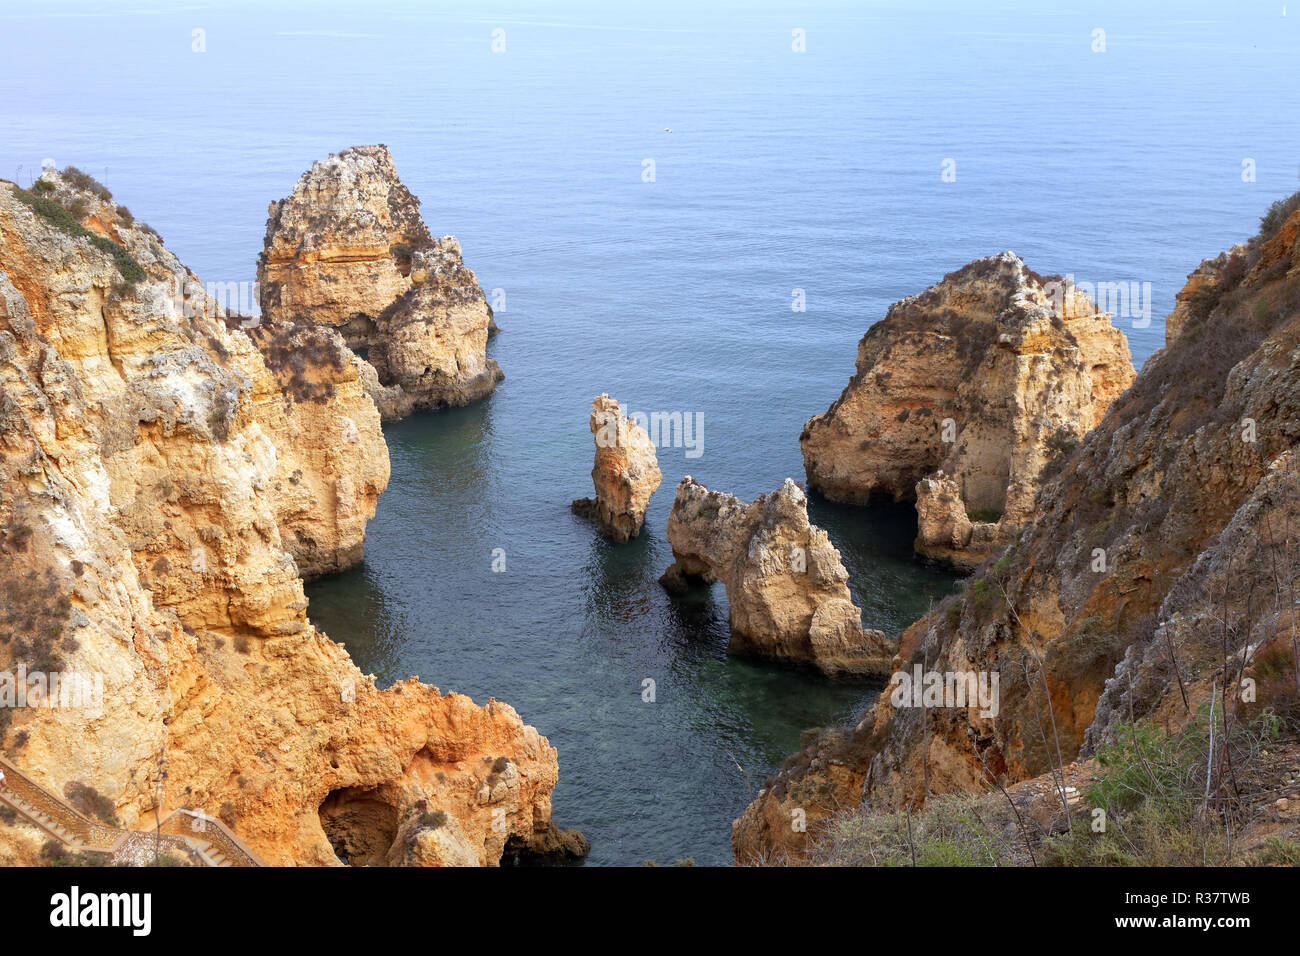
{"type": "Point", "coordinates": [786, 586]}
{"type": "Point", "coordinates": [626, 472]}
{"type": "Point", "coordinates": [331, 462]}
{"type": "Point", "coordinates": [349, 250]}
{"type": "Point", "coordinates": [148, 521]}
{"type": "Point", "coordinates": [986, 377]}
{"type": "Point", "coordinates": [1161, 568]}
{"type": "Point", "coordinates": [944, 530]}
{"type": "Point", "coordinates": [1203, 284]}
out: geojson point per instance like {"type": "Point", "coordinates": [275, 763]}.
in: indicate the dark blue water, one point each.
{"type": "Point", "coordinates": [819, 171]}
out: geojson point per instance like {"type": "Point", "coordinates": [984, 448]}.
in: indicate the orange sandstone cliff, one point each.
{"type": "Point", "coordinates": [164, 482]}
{"type": "Point", "coordinates": [1160, 567]}
{"type": "Point", "coordinates": [963, 395]}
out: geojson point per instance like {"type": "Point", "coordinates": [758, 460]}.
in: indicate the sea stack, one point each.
{"type": "Point", "coordinates": [1148, 579]}
{"type": "Point", "coordinates": [349, 249]}
{"type": "Point", "coordinates": [963, 396]}
{"type": "Point", "coordinates": [162, 474]}
{"type": "Point", "coordinates": [626, 473]}
{"type": "Point", "coordinates": [786, 586]}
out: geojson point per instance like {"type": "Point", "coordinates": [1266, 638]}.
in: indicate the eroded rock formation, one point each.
{"type": "Point", "coordinates": [626, 473]}
{"type": "Point", "coordinates": [349, 249]}
{"type": "Point", "coordinates": [331, 460]}
{"type": "Point", "coordinates": [986, 377]}
{"type": "Point", "coordinates": [1162, 564]}
{"type": "Point", "coordinates": [149, 515]}
{"type": "Point", "coordinates": [785, 584]}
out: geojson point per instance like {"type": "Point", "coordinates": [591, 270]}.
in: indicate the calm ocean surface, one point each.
{"type": "Point", "coordinates": [818, 171]}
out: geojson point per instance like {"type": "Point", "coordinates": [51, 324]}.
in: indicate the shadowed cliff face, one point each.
{"type": "Point", "coordinates": [158, 474]}
{"type": "Point", "coordinates": [1163, 559]}
{"type": "Point", "coordinates": [349, 250]}
{"type": "Point", "coordinates": [985, 378]}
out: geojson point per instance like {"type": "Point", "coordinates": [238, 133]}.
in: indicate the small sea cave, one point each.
{"type": "Point", "coordinates": [360, 824]}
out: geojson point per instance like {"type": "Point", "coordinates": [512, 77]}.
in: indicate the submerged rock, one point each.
{"type": "Point", "coordinates": [785, 584]}
{"type": "Point", "coordinates": [626, 473]}
{"type": "Point", "coordinates": [349, 249]}
{"type": "Point", "coordinates": [986, 377]}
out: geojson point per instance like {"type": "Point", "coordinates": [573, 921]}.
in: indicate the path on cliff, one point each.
{"type": "Point", "coordinates": [217, 845]}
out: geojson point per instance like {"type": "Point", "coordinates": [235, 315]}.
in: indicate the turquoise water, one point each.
{"type": "Point", "coordinates": [818, 171]}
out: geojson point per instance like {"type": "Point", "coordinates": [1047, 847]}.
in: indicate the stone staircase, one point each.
{"type": "Point", "coordinates": [183, 833]}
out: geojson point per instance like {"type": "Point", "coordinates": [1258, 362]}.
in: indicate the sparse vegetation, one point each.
{"type": "Point", "coordinates": [1062, 442]}
{"type": "Point", "coordinates": [90, 802]}
{"type": "Point", "coordinates": [1166, 800]}
{"type": "Point", "coordinates": [949, 831]}
{"type": "Point", "coordinates": [1277, 214]}
{"type": "Point", "coordinates": [432, 819]}
{"type": "Point", "coordinates": [1151, 796]}
{"type": "Point", "coordinates": [54, 853]}
{"type": "Point", "coordinates": [68, 221]}
{"type": "Point", "coordinates": [86, 183]}
{"type": "Point", "coordinates": [298, 354]}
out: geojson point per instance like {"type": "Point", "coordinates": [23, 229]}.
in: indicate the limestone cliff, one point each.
{"type": "Point", "coordinates": [1161, 568]}
{"type": "Point", "coordinates": [785, 584]}
{"type": "Point", "coordinates": [626, 473]}
{"type": "Point", "coordinates": [348, 249]}
{"type": "Point", "coordinates": [155, 476]}
{"type": "Point", "coordinates": [986, 377]}
{"type": "Point", "coordinates": [332, 463]}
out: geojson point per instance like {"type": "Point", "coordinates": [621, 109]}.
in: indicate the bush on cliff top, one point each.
{"type": "Point", "coordinates": [69, 223]}
{"type": "Point", "coordinates": [90, 802]}
{"type": "Point", "coordinates": [1277, 214]}
{"type": "Point", "coordinates": [86, 183]}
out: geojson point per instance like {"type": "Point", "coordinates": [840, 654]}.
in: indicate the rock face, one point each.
{"type": "Point", "coordinates": [149, 517]}
{"type": "Point", "coordinates": [331, 463]}
{"type": "Point", "coordinates": [944, 531]}
{"type": "Point", "coordinates": [1202, 284]}
{"type": "Point", "coordinates": [786, 586]}
{"type": "Point", "coordinates": [1163, 562]}
{"type": "Point", "coordinates": [349, 250]}
{"type": "Point", "coordinates": [626, 473]}
{"type": "Point", "coordinates": [986, 377]}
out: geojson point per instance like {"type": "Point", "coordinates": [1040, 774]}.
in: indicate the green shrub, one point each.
{"type": "Point", "coordinates": [989, 515]}
{"type": "Point", "coordinates": [948, 831]}
{"type": "Point", "coordinates": [1279, 851]}
{"type": "Point", "coordinates": [90, 802]}
{"type": "Point", "coordinates": [68, 221]}
{"type": "Point", "coordinates": [1277, 215]}
{"type": "Point", "coordinates": [54, 853]}
{"type": "Point", "coordinates": [86, 183]}
{"type": "Point", "coordinates": [1152, 787]}
{"type": "Point", "coordinates": [432, 819]}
